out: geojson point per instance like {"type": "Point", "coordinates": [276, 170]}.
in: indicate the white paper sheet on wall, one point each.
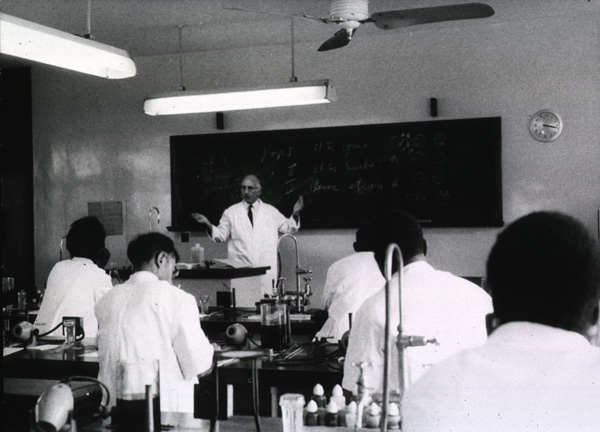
{"type": "Point", "coordinates": [110, 213]}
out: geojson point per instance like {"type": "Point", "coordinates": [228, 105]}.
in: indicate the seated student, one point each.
{"type": "Point", "coordinates": [537, 371]}
{"type": "Point", "coordinates": [350, 281]}
{"type": "Point", "coordinates": [148, 318]}
{"type": "Point", "coordinates": [74, 286]}
{"type": "Point", "coordinates": [435, 304]}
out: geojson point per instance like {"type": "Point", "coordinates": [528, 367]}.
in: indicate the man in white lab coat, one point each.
{"type": "Point", "coordinates": [538, 370]}
{"type": "Point", "coordinates": [435, 304]}
{"type": "Point", "coordinates": [148, 318]}
{"type": "Point", "coordinates": [252, 228]}
{"type": "Point", "coordinates": [350, 281]}
{"type": "Point", "coordinates": [74, 286]}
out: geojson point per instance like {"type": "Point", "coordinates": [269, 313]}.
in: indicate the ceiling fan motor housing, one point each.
{"type": "Point", "coordinates": [351, 12]}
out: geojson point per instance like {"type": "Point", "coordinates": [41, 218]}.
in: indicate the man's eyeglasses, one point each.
{"type": "Point", "coordinates": [248, 188]}
{"type": "Point", "coordinates": [175, 268]}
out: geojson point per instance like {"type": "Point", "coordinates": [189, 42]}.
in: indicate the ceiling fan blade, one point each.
{"type": "Point", "coordinates": [304, 16]}
{"type": "Point", "coordinates": [338, 40]}
{"type": "Point", "coordinates": [407, 17]}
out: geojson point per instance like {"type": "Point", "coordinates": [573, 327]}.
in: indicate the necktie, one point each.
{"type": "Point", "coordinates": [250, 214]}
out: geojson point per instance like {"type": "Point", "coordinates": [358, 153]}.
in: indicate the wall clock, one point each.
{"type": "Point", "coordinates": [545, 125]}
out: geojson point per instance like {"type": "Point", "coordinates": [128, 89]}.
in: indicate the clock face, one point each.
{"type": "Point", "coordinates": [545, 125]}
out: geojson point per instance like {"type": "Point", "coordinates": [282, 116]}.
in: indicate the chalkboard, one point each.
{"type": "Point", "coordinates": [447, 173]}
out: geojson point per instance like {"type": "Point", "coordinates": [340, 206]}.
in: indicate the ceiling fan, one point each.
{"type": "Point", "coordinates": [350, 14]}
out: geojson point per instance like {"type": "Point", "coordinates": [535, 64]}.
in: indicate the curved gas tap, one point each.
{"type": "Point", "coordinates": [301, 295]}
{"type": "Point", "coordinates": [389, 255]}
{"type": "Point", "coordinates": [150, 218]}
{"type": "Point", "coordinates": [402, 341]}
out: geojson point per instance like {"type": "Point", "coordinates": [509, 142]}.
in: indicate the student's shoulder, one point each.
{"type": "Point", "coordinates": [373, 308]}
{"type": "Point", "coordinates": [356, 258]}
{"type": "Point", "coordinates": [460, 283]}
{"type": "Point", "coordinates": [176, 293]}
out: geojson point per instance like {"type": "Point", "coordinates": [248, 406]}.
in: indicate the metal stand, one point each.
{"type": "Point", "coordinates": [253, 356]}
{"type": "Point", "coordinates": [389, 254]}
{"type": "Point", "coordinates": [234, 312]}
{"type": "Point", "coordinates": [255, 395]}
{"type": "Point", "coordinates": [402, 341]}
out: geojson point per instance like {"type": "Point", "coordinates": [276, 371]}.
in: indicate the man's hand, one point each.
{"type": "Point", "coordinates": [298, 206]}
{"type": "Point", "coordinates": [200, 218]}
{"type": "Point", "coordinates": [203, 220]}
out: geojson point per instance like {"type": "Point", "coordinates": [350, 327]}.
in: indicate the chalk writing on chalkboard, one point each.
{"type": "Point", "coordinates": [447, 173]}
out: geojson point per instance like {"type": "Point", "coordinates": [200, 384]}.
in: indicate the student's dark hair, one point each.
{"type": "Point", "coordinates": [402, 228]}
{"type": "Point", "coordinates": [365, 238]}
{"type": "Point", "coordinates": [146, 247]}
{"type": "Point", "coordinates": [86, 238]}
{"type": "Point", "coordinates": [545, 268]}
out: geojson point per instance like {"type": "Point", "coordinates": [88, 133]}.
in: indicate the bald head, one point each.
{"type": "Point", "coordinates": [250, 188]}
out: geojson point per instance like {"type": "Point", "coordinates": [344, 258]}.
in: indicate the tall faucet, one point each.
{"type": "Point", "coordinates": [403, 341]}
{"type": "Point", "coordinates": [302, 295]}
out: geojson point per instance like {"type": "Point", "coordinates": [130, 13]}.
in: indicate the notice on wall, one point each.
{"type": "Point", "coordinates": [110, 213]}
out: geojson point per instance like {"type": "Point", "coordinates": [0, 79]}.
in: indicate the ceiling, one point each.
{"type": "Point", "coordinates": [150, 27]}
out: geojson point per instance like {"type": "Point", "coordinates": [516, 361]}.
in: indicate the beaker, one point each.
{"type": "Point", "coordinates": [70, 326]}
{"type": "Point", "coordinates": [204, 304]}
{"type": "Point", "coordinates": [8, 288]}
{"type": "Point", "coordinates": [292, 405]}
{"type": "Point", "coordinates": [22, 300]}
{"type": "Point", "coordinates": [8, 285]}
{"type": "Point", "coordinates": [275, 326]}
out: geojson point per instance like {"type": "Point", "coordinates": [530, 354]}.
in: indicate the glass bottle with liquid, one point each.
{"type": "Point", "coordinates": [197, 254]}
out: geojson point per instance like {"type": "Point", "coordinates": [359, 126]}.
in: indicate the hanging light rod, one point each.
{"type": "Point", "coordinates": [288, 94]}
{"type": "Point", "coordinates": [293, 93]}
{"type": "Point", "coordinates": [35, 42]}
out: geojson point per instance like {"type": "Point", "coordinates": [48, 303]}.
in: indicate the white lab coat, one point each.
{"type": "Point", "coordinates": [526, 377]}
{"type": "Point", "coordinates": [434, 304]}
{"type": "Point", "coordinates": [73, 288]}
{"type": "Point", "coordinates": [350, 281]}
{"type": "Point", "coordinates": [256, 245]}
{"type": "Point", "coordinates": [145, 319]}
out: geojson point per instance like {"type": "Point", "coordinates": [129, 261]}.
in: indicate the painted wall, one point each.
{"type": "Point", "coordinates": [92, 141]}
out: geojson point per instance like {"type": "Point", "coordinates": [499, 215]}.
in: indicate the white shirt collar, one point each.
{"type": "Point", "coordinates": [416, 265]}
{"type": "Point", "coordinates": [83, 260]}
{"type": "Point", "coordinates": [255, 204]}
{"type": "Point", "coordinates": [142, 276]}
{"type": "Point", "coordinates": [536, 334]}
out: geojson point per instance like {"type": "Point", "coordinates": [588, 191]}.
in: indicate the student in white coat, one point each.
{"type": "Point", "coordinates": [435, 304]}
{"type": "Point", "coordinates": [74, 286]}
{"type": "Point", "coordinates": [538, 369]}
{"type": "Point", "coordinates": [148, 318]}
{"type": "Point", "coordinates": [350, 281]}
{"type": "Point", "coordinates": [252, 228]}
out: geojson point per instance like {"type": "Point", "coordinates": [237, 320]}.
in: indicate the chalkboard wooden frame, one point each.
{"type": "Point", "coordinates": [447, 173]}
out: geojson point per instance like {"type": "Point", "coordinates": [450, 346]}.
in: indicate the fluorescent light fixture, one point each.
{"type": "Point", "coordinates": [289, 94]}
{"type": "Point", "coordinates": [35, 42]}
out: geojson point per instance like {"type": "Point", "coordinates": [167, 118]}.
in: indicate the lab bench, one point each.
{"type": "Point", "coordinates": [214, 272]}
{"type": "Point", "coordinates": [302, 325]}
{"type": "Point", "coordinates": [185, 422]}
{"type": "Point", "coordinates": [31, 369]}
{"type": "Point", "coordinates": [314, 363]}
